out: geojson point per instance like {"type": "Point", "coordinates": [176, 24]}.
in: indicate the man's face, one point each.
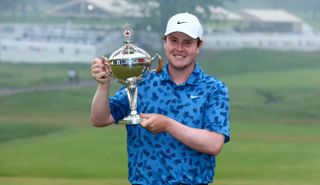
{"type": "Point", "coordinates": [181, 50]}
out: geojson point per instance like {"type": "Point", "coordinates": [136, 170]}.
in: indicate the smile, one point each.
{"type": "Point", "coordinates": [179, 56]}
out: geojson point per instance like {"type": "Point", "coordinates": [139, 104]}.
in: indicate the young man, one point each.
{"type": "Point", "coordinates": [185, 113]}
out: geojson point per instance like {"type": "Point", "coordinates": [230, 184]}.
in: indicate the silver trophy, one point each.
{"type": "Point", "coordinates": [128, 64]}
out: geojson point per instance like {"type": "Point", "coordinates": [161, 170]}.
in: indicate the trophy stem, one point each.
{"type": "Point", "coordinates": [132, 92]}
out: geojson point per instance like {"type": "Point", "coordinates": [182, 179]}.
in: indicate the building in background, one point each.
{"type": "Point", "coordinates": [249, 28]}
{"type": "Point", "coordinates": [271, 29]}
{"type": "Point", "coordinates": [271, 20]}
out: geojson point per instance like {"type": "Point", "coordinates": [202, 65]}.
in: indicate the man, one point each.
{"type": "Point", "coordinates": [185, 113]}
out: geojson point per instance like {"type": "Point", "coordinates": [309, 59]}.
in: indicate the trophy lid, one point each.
{"type": "Point", "coordinates": [128, 51]}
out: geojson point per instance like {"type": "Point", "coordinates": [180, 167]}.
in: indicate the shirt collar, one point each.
{"type": "Point", "coordinates": [193, 79]}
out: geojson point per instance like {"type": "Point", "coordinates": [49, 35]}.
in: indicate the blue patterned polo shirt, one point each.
{"type": "Point", "coordinates": [159, 159]}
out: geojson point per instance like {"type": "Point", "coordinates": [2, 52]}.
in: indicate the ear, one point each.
{"type": "Point", "coordinates": [200, 43]}
{"type": "Point", "coordinates": [164, 40]}
{"type": "Point", "coordinates": [199, 46]}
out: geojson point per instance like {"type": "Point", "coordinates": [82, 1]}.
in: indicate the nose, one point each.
{"type": "Point", "coordinates": [179, 46]}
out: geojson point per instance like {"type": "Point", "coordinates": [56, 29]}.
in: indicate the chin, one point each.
{"type": "Point", "coordinates": [179, 67]}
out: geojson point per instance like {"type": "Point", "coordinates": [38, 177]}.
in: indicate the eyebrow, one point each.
{"type": "Point", "coordinates": [186, 39]}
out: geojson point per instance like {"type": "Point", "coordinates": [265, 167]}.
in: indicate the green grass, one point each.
{"type": "Point", "coordinates": [25, 130]}
{"type": "Point", "coordinates": [46, 137]}
{"type": "Point", "coordinates": [14, 75]}
{"type": "Point", "coordinates": [55, 108]}
{"type": "Point", "coordinates": [72, 153]}
{"type": "Point", "coordinates": [233, 63]}
{"type": "Point", "coordinates": [60, 181]}
{"type": "Point", "coordinates": [273, 152]}
{"type": "Point", "coordinates": [258, 153]}
{"type": "Point", "coordinates": [284, 97]}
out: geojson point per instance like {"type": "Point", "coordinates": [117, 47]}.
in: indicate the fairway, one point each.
{"type": "Point", "coordinates": [46, 138]}
{"type": "Point", "coordinates": [259, 153]}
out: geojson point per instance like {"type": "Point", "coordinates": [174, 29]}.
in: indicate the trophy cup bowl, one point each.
{"type": "Point", "coordinates": [128, 65]}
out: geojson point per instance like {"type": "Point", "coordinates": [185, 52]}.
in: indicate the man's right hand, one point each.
{"type": "Point", "coordinates": [100, 70]}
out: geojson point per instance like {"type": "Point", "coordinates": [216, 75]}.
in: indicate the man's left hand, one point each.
{"type": "Point", "coordinates": [155, 123]}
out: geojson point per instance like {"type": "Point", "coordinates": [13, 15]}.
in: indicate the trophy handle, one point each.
{"type": "Point", "coordinates": [160, 62]}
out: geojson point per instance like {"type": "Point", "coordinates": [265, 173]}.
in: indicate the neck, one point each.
{"type": "Point", "coordinates": [180, 76]}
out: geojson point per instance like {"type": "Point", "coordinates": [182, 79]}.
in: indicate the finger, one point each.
{"type": "Point", "coordinates": [145, 123]}
{"type": "Point", "coordinates": [101, 80]}
{"type": "Point", "coordinates": [145, 118]}
{"type": "Point", "coordinates": [99, 75]}
{"type": "Point", "coordinates": [142, 115]}
{"type": "Point", "coordinates": [96, 62]}
{"type": "Point", "coordinates": [101, 67]}
{"type": "Point", "coordinates": [98, 65]}
{"type": "Point", "coordinates": [107, 67]}
{"type": "Point", "coordinates": [97, 70]}
{"type": "Point", "coordinates": [103, 61]}
{"type": "Point", "coordinates": [97, 78]}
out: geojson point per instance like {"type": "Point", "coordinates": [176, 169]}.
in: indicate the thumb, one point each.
{"type": "Point", "coordinates": [145, 118]}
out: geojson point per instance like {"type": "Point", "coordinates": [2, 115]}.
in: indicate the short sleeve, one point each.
{"type": "Point", "coordinates": [217, 112]}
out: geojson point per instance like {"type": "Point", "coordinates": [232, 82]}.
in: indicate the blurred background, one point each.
{"type": "Point", "coordinates": [267, 52]}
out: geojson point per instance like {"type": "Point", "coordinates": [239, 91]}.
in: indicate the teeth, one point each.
{"type": "Point", "coordinates": [178, 56]}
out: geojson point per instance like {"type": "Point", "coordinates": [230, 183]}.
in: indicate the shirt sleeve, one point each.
{"type": "Point", "coordinates": [119, 105]}
{"type": "Point", "coordinates": [217, 112]}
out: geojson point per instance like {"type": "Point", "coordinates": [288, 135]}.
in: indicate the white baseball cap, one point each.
{"type": "Point", "coordinates": [185, 23]}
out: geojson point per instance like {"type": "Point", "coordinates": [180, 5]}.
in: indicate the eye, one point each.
{"type": "Point", "coordinates": [188, 42]}
{"type": "Point", "coordinates": [173, 40]}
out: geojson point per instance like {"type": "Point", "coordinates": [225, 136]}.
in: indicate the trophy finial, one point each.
{"type": "Point", "coordinates": [128, 32]}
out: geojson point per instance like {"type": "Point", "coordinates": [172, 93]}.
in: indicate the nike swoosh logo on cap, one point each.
{"type": "Point", "coordinates": [180, 22]}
